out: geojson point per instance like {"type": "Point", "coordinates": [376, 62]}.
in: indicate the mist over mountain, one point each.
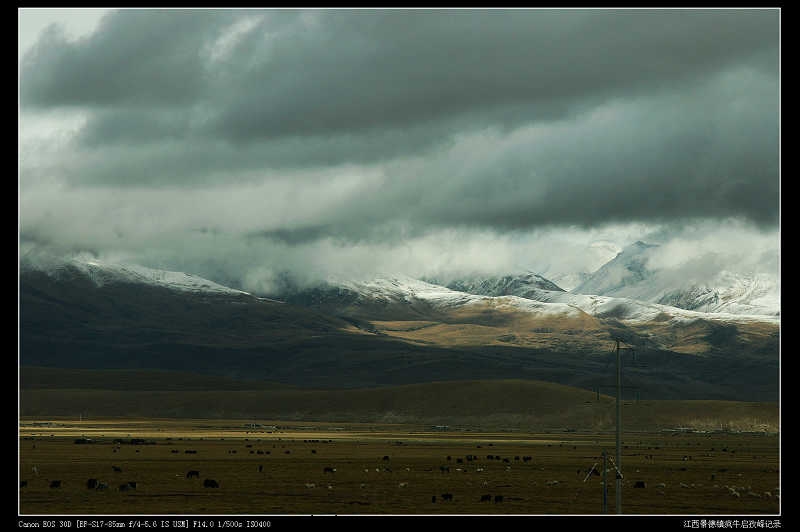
{"type": "Point", "coordinates": [698, 284]}
{"type": "Point", "coordinates": [627, 268]}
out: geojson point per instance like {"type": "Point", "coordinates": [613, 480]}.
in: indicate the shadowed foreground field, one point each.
{"type": "Point", "coordinates": [319, 468]}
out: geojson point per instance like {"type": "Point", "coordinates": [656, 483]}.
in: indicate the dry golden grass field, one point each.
{"type": "Point", "coordinates": [279, 468]}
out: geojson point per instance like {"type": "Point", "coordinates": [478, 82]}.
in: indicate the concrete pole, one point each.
{"type": "Point", "coordinates": [618, 465]}
{"type": "Point", "coordinates": [605, 483]}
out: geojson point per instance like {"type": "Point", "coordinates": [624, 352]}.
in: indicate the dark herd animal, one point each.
{"type": "Point", "coordinates": [127, 486]}
{"type": "Point", "coordinates": [95, 484]}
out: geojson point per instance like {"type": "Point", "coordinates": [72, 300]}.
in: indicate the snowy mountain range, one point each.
{"type": "Point", "coordinates": [624, 287]}
{"type": "Point", "coordinates": [86, 313]}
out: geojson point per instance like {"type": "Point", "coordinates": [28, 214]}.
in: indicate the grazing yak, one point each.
{"type": "Point", "coordinates": [127, 486]}
{"type": "Point", "coordinates": [193, 474]}
{"type": "Point", "coordinates": [55, 483]}
{"type": "Point", "coordinates": [91, 483]}
{"type": "Point", "coordinates": [210, 483]}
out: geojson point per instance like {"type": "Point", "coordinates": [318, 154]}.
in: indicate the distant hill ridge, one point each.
{"type": "Point", "coordinates": [498, 404]}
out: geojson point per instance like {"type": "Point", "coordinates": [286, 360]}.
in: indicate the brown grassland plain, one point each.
{"type": "Point", "coordinates": [279, 468]}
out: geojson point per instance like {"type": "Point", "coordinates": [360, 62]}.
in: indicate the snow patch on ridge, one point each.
{"type": "Point", "coordinates": [402, 289]}
{"type": "Point", "coordinates": [103, 273]}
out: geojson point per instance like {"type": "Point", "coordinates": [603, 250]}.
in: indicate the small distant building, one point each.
{"type": "Point", "coordinates": [441, 427]}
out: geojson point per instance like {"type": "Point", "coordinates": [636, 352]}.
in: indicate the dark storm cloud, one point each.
{"type": "Point", "coordinates": [299, 73]}
{"type": "Point", "coordinates": [358, 70]}
{"type": "Point", "coordinates": [506, 119]}
{"type": "Point", "coordinates": [138, 57]}
{"type": "Point", "coordinates": [706, 153]}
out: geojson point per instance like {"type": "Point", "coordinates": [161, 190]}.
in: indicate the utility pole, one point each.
{"type": "Point", "coordinates": [618, 474]}
{"type": "Point", "coordinates": [605, 485]}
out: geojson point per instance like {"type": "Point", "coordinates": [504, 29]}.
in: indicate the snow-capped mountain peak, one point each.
{"type": "Point", "coordinates": [627, 268]}
{"type": "Point", "coordinates": [630, 275]}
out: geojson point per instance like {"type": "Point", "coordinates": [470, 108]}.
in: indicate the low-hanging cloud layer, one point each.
{"type": "Point", "coordinates": [241, 143]}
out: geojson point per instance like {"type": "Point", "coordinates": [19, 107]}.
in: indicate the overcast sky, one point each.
{"type": "Point", "coordinates": [237, 144]}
